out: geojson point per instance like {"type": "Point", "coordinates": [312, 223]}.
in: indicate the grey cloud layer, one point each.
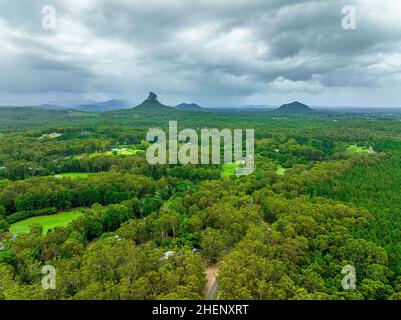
{"type": "Point", "coordinates": [214, 52]}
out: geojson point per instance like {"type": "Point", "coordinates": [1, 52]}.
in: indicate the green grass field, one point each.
{"type": "Point", "coordinates": [229, 169]}
{"type": "Point", "coordinates": [51, 136]}
{"type": "Point", "coordinates": [357, 149]}
{"type": "Point", "coordinates": [81, 175]}
{"type": "Point", "coordinates": [130, 151]}
{"type": "Point", "coordinates": [47, 222]}
{"type": "Point", "coordinates": [280, 170]}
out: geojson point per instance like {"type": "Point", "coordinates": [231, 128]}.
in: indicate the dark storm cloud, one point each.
{"type": "Point", "coordinates": [214, 52]}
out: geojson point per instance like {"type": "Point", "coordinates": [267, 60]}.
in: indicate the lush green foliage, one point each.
{"type": "Point", "coordinates": [148, 232]}
{"type": "Point", "coordinates": [377, 188]}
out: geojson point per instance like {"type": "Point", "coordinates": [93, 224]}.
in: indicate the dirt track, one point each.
{"type": "Point", "coordinates": [211, 273]}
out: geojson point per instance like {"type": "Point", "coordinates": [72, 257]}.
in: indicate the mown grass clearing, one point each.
{"type": "Point", "coordinates": [124, 151]}
{"type": "Point", "coordinates": [357, 149]}
{"type": "Point", "coordinates": [280, 170]}
{"type": "Point", "coordinates": [80, 175]}
{"type": "Point", "coordinates": [229, 168]}
{"type": "Point", "coordinates": [53, 135]}
{"type": "Point", "coordinates": [47, 222]}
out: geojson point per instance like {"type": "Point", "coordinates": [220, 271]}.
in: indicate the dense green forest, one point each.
{"type": "Point", "coordinates": [311, 207]}
{"type": "Point", "coordinates": [378, 188]}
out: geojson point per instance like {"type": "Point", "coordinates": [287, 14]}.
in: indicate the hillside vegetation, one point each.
{"type": "Point", "coordinates": [145, 231]}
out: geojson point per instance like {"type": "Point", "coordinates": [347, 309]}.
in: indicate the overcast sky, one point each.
{"type": "Point", "coordinates": [212, 52]}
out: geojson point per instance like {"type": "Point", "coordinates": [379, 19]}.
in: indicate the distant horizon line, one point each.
{"type": "Point", "coordinates": [66, 105]}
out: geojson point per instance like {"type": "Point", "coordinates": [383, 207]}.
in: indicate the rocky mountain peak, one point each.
{"type": "Point", "coordinates": [152, 97]}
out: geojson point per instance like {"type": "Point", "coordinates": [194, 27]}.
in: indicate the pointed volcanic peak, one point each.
{"type": "Point", "coordinates": [295, 107]}
{"type": "Point", "coordinates": [189, 107]}
{"type": "Point", "coordinates": [151, 100]}
{"type": "Point", "coordinates": [152, 105]}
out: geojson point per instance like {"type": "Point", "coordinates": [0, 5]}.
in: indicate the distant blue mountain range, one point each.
{"type": "Point", "coordinates": [109, 105]}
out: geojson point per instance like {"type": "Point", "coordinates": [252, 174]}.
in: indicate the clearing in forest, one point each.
{"type": "Point", "coordinates": [229, 168]}
{"type": "Point", "coordinates": [280, 170]}
{"type": "Point", "coordinates": [81, 175]}
{"type": "Point", "coordinates": [358, 149]}
{"type": "Point", "coordinates": [47, 222]}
